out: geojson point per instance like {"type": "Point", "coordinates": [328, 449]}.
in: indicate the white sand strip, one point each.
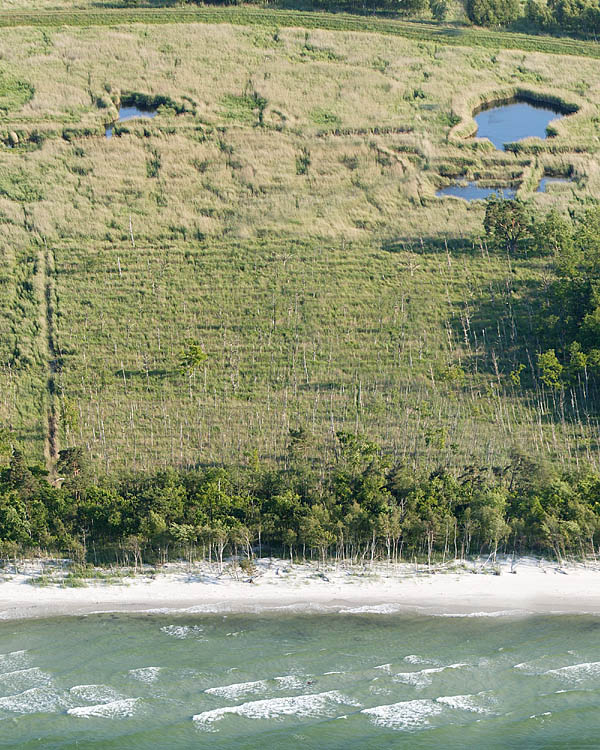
{"type": "Point", "coordinates": [455, 590]}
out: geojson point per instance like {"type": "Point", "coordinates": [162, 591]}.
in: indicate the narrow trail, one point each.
{"type": "Point", "coordinates": [439, 33]}
{"type": "Point", "coordinates": [47, 270]}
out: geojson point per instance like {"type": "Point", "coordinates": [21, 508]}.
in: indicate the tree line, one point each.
{"type": "Point", "coordinates": [573, 17]}
{"type": "Point", "coordinates": [579, 18]}
{"type": "Point", "coordinates": [437, 8]}
{"type": "Point", "coordinates": [362, 507]}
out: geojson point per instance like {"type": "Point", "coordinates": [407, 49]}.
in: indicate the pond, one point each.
{"type": "Point", "coordinates": [545, 181]}
{"type": "Point", "coordinates": [129, 113]}
{"type": "Point", "coordinates": [513, 121]}
{"type": "Point", "coordinates": [472, 191]}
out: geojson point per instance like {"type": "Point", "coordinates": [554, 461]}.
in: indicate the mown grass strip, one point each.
{"type": "Point", "coordinates": [246, 16]}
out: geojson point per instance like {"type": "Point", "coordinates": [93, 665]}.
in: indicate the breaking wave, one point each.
{"type": "Point", "coordinates": [405, 715]}
{"type": "Point", "coordinates": [145, 674]}
{"type": "Point", "coordinates": [182, 631]}
{"type": "Point", "coordinates": [577, 672]}
{"type": "Point", "coordinates": [119, 709]}
{"type": "Point", "coordinates": [424, 677]}
{"type": "Point", "coordinates": [304, 706]}
{"type": "Point", "coordinates": [36, 700]}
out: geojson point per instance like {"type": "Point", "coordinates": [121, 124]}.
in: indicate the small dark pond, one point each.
{"type": "Point", "coordinates": [514, 121]}
{"type": "Point", "coordinates": [551, 181]}
{"type": "Point", "coordinates": [129, 113]}
{"type": "Point", "coordinates": [472, 191]}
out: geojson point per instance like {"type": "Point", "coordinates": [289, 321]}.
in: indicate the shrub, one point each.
{"type": "Point", "coordinates": [493, 12]}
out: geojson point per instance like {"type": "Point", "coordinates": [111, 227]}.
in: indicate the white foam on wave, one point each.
{"type": "Point", "coordinates": [292, 682]}
{"type": "Point", "coordinates": [577, 672]}
{"type": "Point", "coordinates": [36, 700]}
{"type": "Point", "coordinates": [526, 667]}
{"type": "Point", "coordinates": [119, 709]}
{"type": "Point", "coordinates": [14, 660]}
{"type": "Point", "coordinates": [22, 679]}
{"type": "Point", "coordinates": [498, 613]}
{"type": "Point", "coordinates": [384, 667]}
{"type": "Point", "coordinates": [302, 706]}
{"type": "Point", "coordinates": [416, 659]}
{"type": "Point", "coordinates": [95, 693]}
{"type": "Point", "coordinates": [480, 703]}
{"type": "Point", "coordinates": [424, 676]}
{"type": "Point", "coordinates": [238, 689]}
{"type": "Point", "coordinates": [372, 609]}
{"type": "Point", "coordinates": [182, 631]}
{"type": "Point", "coordinates": [405, 715]}
{"type": "Point", "coordinates": [145, 674]}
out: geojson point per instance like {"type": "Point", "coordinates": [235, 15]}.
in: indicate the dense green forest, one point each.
{"type": "Point", "coordinates": [575, 17]}
{"type": "Point", "coordinates": [361, 508]}
{"type": "Point", "coordinates": [579, 18]}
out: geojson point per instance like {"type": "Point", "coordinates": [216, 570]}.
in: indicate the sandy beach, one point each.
{"type": "Point", "coordinates": [524, 586]}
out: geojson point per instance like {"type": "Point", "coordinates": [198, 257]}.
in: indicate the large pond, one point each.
{"type": "Point", "coordinates": [472, 191]}
{"type": "Point", "coordinates": [513, 121]}
{"type": "Point", "coordinates": [129, 113]}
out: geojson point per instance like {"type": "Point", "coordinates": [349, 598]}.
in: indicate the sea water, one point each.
{"type": "Point", "coordinates": [367, 680]}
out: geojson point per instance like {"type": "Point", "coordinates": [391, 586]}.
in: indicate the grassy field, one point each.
{"type": "Point", "coordinates": [454, 32]}
{"type": "Point", "coordinates": [286, 219]}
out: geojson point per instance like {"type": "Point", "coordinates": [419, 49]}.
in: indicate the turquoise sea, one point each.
{"type": "Point", "coordinates": [316, 681]}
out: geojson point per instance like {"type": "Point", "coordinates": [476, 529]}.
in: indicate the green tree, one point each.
{"type": "Point", "coordinates": [550, 369]}
{"type": "Point", "coordinates": [493, 12]}
{"type": "Point", "coordinates": [412, 7]}
{"type": "Point", "coordinates": [191, 357]}
{"type": "Point", "coordinates": [506, 223]}
{"type": "Point", "coordinates": [14, 525]}
{"type": "Point", "coordinates": [552, 235]}
{"type": "Point", "coordinates": [439, 9]}
{"type": "Point", "coordinates": [20, 477]}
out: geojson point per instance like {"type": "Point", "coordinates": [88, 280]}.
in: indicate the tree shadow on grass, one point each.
{"type": "Point", "coordinates": [502, 326]}
{"type": "Point", "coordinates": [432, 245]}
{"type": "Point", "coordinates": [159, 374]}
{"type": "Point", "coordinates": [503, 332]}
{"type": "Point", "coordinates": [137, 6]}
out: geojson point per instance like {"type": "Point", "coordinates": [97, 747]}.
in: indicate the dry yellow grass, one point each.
{"type": "Point", "coordinates": [285, 277]}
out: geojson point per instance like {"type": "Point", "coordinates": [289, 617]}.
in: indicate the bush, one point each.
{"type": "Point", "coordinates": [248, 567]}
{"type": "Point", "coordinates": [493, 12]}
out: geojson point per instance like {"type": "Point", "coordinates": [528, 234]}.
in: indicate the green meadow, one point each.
{"type": "Point", "coordinates": [280, 210]}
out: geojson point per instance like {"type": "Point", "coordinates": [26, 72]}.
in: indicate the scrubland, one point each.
{"type": "Point", "coordinates": [280, 210]}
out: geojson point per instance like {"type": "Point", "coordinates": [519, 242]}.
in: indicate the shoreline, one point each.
{"type": "Point", "coordinates": [457, 589]}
